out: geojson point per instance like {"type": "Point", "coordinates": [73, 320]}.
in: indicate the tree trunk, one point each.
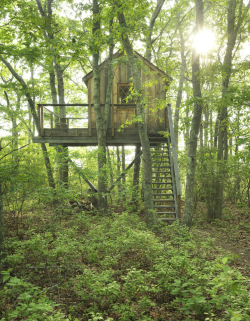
{"type": "Point", "coordinates": [110, 167]}
{"type": "Point", "coordinates": [101, 121]}
{"type": "Point", "coordinates": [201, 133]}
{"type": "Point", "coordinates": [222, 154]}
{"type": "Point", "coordinates": [151, 27]}
{"type": "Point", "coordinates": [181, 82]}
{"type": "Point", "coordinates": [142, 125]}
{"type": "Point", "coordinates": [123, 165]}
{"type": "Point", "coordinates": [2, 249]}
{"type": "Point", "coordinates": [63, 152]}
{"type": "Point", "coordinates": [206, 123]}
{"type": "Point", "coordinates": [191, 163]}
{"type": "Point", "coordinates": [118, 163]}
{"type": "Point", "coordinates": [136, 176]}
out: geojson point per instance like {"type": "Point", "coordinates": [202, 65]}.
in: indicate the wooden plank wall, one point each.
{"type": "Point", "coordinates": [122, 74]}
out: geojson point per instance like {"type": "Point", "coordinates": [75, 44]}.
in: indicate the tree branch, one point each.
{"type": "Point", "coordinates": [14, 151]}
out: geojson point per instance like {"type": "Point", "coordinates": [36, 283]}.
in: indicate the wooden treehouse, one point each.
{"type": "Point", "coordinates": [75, 125]}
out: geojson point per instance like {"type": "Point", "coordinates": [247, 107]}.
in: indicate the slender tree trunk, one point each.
{"type": "Point", "coordinates": [181, 82]}
{"type": "Point", "coordinates": [149, 42]}
{"type": "Point", "coordinates": [35, 117]}
{"type": "Point", "coordinates": [53, 91]}
{"type": "Point", "coordinates": [201, 134]}
{"type": "Point", "coordinates": [206, 123]}
{"type": "Point", "coordinates": [142, 125]}
{"type": "Point", "coordinates": [110, 167]}
{"type": "Point", "coordinates": [118, 162]}
{"type": "Point", "coordinates": [186, 130]}
{"type": "Point", "coordinates": [123, 164]}
{"type": "Point", "coordinates": [63, 152]}
{"type": "Point", "coordinates": [136, 177]}
{"type": "Point", "coordinates": [101, 121]}
{"type": "Point", "coordinates": [2, 248]}
{"type": "Point", "coordinates": [191, 164]}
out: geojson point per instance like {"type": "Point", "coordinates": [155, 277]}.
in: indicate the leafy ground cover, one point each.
{"type": "Point", "coordinates": [91, 267]}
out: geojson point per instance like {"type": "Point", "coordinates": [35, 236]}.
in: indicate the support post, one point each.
{"type": "Point", "coordinates": [123, 174]}
{"type": "Point", "coordinates": [39, 119]}
{"type": "Point", "coordinates": [112, 120]}
{"type": "Point", "coordinates": [90, 120]}
{"type": "Point", "coordinates": [51, 120]}
{"type": "Point", "coordinates": [42, 129]}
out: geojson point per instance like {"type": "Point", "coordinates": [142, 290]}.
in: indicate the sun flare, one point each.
{"type": "Point", "coordinates": [204, 41]}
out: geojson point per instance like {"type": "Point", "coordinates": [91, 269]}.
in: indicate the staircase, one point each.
{"type": "Point", "coordinates": [163, 183]}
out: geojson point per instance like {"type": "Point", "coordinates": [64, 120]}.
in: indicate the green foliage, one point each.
{"type": "Point", "coordinates": [120, 270]}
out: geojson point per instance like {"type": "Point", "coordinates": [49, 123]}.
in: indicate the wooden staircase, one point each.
{"type": "Point", "coordinates": [163, 183]}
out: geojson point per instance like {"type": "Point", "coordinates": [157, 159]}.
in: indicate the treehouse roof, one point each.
{"type": "Point", "coordinates": [137, 55]}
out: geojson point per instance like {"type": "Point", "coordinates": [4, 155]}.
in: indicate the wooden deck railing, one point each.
{"type": "Point", "coordinates": [64, 121]}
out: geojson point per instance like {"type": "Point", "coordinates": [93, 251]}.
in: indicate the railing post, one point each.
{"type": "Point", "coordinates": [42, 129]}
{"type": "Point", "coordinates": [39, 119]}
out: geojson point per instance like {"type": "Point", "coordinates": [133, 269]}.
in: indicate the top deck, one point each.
{"type": "Point", "coordinates": [80, 130]}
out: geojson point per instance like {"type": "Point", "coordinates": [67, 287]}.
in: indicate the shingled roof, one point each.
{"type": "Point", "coordinates": [137, 55]}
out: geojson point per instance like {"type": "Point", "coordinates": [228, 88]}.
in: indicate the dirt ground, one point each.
{"type": "Point", "coordinates": [231, 233]}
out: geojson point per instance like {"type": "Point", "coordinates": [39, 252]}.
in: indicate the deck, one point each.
{"type": "Point", "coordinates": [76, 126]}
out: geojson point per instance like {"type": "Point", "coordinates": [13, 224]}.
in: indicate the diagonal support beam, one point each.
{"type": "Point", "coordinates": [79, 171]}
{"type": "Point", "coordinates": [129, 166]}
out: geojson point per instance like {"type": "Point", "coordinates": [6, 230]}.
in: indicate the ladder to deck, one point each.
{"type": "Point", "coordinates": [163, 183]}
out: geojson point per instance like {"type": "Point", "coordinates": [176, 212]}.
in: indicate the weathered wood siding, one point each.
{"type": "Point", "coordinates": [154, 89]}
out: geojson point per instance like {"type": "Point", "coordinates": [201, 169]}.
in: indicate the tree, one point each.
{"type": "Point", "coordinates": [195, 126]}
{"type": "Point", "coordinates": [35, 117]}
{"type": "Point", "coordinates": [147, 161]}
{"type": "Point", "coordinates": [234, 23]}
{"type": "Point", "coordinates": [101, 122]}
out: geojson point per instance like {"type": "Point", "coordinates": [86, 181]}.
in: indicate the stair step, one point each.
{"type": "Point", "coordinates": [166, 219]}
{"type": "Point", "coordinates": [165, 200]}
{"type": "Point", "coordinates": [156, 162]}
{"type": "Point", "coordinates": [165, 177]}
{"type": "Point", "coordinates": [162, 189]}
{"type": "Point", "coordinates": [170, 213]}
{"type": "Point", "coordinates": [163, 156]}
{"type": "Point", "coordinates": [159, 147]}
{"type": "Point", "coordinates": [162, 183]}
{"type": "Point", "coordinates": [161, 200]}
{"type": "Point", "coordinates": [159, 194]}
{"type": "Point", "coordinates": [163, 206]}
{"type": "Point", "coordinates": [161, 167]}
{"type": "Point", "coordinates": [158, 172]}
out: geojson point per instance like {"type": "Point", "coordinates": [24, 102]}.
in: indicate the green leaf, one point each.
{"type": "Point", "coordinates": [235, 286]}
{"type": "Point", "coordinates": [5, 278]}
{"type": "Point", "coordinates": [224, 260]}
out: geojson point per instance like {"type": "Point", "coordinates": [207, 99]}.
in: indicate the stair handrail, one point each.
{"type": "Point", "coordinates": [174, 151]}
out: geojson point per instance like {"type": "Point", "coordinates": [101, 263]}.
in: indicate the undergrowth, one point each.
{"type": "Point", "coordinates": [103, 268]}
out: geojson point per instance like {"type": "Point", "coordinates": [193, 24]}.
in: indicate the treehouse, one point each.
{"type": "Point", "coordinates": [75, 124]}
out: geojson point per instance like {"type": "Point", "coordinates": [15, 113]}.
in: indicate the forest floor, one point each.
{"type": "Point", "coordinates": [71, 266]}
{"type": "Point", "coordinates": [231, 233]}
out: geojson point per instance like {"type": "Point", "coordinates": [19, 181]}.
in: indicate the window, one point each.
{"type": "Point", "coordinates": [123, 93]}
